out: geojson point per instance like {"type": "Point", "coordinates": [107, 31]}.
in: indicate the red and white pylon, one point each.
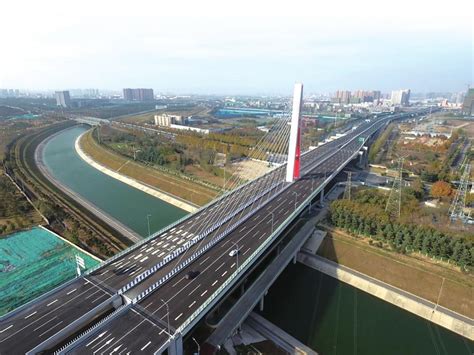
{"type": "Point", "coordinates": [294, 147]}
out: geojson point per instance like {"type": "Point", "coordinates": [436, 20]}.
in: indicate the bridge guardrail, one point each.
{"type": "Point", "coordinates": [264, 245]}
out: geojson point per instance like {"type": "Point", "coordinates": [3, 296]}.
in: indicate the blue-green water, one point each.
{"type": "Point", "coordinates": [335, 318]}
{"type": "Point", "coordinates": [33, 262]}
{"type": "Point", "coordinates": [123, 202]}
{"type": "Point", "coordinates": [26, 116]}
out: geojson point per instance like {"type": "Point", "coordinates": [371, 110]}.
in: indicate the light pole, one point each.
{"type": "Point", "coordinates": [148, 223]}
{"type": "Point", "coordinates": [199, 348]}
{"type": "Point", "coordinates": [272, 214]}
{"type": "Point", "coordinates": [237, 255]}
{"type": "Point", "coordinates": [167, 315]}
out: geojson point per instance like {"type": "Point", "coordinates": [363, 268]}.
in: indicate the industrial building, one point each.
{"type": "Point", "coordinates": [468, 104]}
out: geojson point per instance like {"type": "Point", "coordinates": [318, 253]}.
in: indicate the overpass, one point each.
{"type": "Point", "coordinates": [141, 300]}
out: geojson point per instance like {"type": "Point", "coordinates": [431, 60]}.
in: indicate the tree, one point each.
{"type": "Point", "coordinates": [441, 189]}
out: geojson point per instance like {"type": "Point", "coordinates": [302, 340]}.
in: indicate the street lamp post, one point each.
{"type": "Point", "coordinates": [272, 214]}
{"type": "Point", "coordinates": [296, 198]}
{"type": "Point", "coordinates": [237, 255]}
{"type": "Point", "coordinates": [199, 348]}
{"type": "Point", "coordinates": [167, 315]}
{"type": "Point", "coordinates": [148, 223]}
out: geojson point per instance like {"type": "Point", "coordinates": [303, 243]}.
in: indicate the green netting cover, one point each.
{"type": "Point", "coordinates": [33, 262]}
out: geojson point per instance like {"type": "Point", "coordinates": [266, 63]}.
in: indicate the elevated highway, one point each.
{"type": "Point", "coordinates": [141, 300]}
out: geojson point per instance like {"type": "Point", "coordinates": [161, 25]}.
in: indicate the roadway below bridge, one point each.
{"type": "Point", "coordinates": [152, 274]}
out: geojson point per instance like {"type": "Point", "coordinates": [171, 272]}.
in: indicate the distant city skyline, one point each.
{"type": "Point", "coordinates": [361, 46]}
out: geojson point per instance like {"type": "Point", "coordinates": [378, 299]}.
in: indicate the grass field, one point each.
{"type": "Point", "coordinates": [171, 184]}
{"type": "Point", "coordinates": [434, 282]}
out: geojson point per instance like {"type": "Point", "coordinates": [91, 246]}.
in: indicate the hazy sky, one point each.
{"type": "Point", "coordinates": [243, 46]}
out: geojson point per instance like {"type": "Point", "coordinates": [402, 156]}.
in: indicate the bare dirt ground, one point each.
{"type": "Point", "coordinates": [250, 169]}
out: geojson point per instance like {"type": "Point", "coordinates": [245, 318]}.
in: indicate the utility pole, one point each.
{"type": "Point", "coordinates": [347, 190]}
{"type": "Point", "coordinates": [394, 202]}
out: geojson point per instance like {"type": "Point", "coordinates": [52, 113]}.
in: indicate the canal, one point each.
{"type": "Point", "coordinates": [121, 201]}
{"type": "Point", "coordinates": [329, 316]}
{"type": "Point", "coordinates": [333, 318]}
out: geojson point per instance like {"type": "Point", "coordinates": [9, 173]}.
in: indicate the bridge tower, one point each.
{"type": "Point", "coordinates": [294, 145]}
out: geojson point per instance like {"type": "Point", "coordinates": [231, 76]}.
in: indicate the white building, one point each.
{"type": "Point", "coordinates": [400, 97]}
{"type": "Point", "coordinates": [166, 120]}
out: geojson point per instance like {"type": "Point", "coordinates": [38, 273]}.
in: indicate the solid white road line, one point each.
{"type": "Point", "coordinates": [49, 304]}
{"type": "Point", "coordinates": [1, 331]}
{"type": "Point", "coordinates": [28, 316]}
{"type": "Point", "coordinates": [178, 316]}
{"type": "Point", "coordinates": [145, 346]}
{"type": "Point", "coordinates": [192, 304]}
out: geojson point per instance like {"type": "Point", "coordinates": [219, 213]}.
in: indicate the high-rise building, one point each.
{"type": "Point", "coordinates": [400, 97]}
{"type": "Point", "coordinates": [63, 99]}
{"type": "Point", "coordinates": [468, 104]}
{"type": "Point", "coordinates": [138, 94]}
{"type": "Point", "coordinates": [343, 96]}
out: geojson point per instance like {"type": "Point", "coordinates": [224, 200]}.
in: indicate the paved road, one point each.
{"type": "Point", "coordinates": [185, 296]}
{"type": "Point", "coordinates": [215, 266]}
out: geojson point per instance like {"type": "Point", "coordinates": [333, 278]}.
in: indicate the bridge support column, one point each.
{"type": "Point", "coordinates": [261, 303]}
{"type": "Point", "coordinates": [176, 345]}
{"type": "Point", "coordinates": [294, 258]}
{"type": "Point", "coordinates": [321, 197]}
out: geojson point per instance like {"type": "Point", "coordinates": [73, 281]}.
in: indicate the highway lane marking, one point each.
{"type": "Point", "coordinates": [97, 337]}
{"type": "Point", "coordinates": [214, 283]}
{"type": "Point", "coordinates": [105, 344]}
{"type": "Point", "coordinates": [178, 316]}
{"type": "Point", "coordinates": [221, 265]}
{"type": "Point", "coordinates": [245, 252]}
{"type": "Point", "coordinates": [116, 349]}
{"type": "Point", "coordinates": [232, 265]}
{"type": "Point", "coordinates": [194, 289]}
{"type": "Point", "coordinates": [42, 325]}
{"type": "Point", "coordinates": [145, 258]}
{"type": "Point", "coordinates": [54, 326]}
{"type": "Point", "coordinates": [161, 254]}
{"type": "Point", "coordinates": [148, 250]}
{"type": "Point", "coordinates": [60, 306]}
{"type": "Point", "coordinates": [192, 304]}
{"type": "Point", "coordinates": [138, 256]}
{"type": "Point", "coordinates": [29, 315]}
{"type": "Point", "coordinates": [96, 299]}
{"type": "Point", "coordinates": [1, 331]}
{"type": "Point", "coordinates": [49, 304]}
{"type": "Point", "coordinates": [202, 294]}
{"type": "Point", "coordinates": [202, 262]}
{"type": "Point", "coordinates": [177, 282]}
{"type": "Point", "coordinates": [156, 251]}
{"type": "Point", "coordinates": [224, 273]}
{"type": "Point", "coordinates": [146, 345]}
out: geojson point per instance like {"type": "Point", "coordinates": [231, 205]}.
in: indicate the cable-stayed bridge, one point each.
{"type": "Point", "coordinates": [145, 299]}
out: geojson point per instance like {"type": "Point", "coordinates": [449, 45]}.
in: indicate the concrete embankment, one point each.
{"type": "Point", "coordinates": [428, 310]}
{"type": "Point", "coordinates": [39, 159]}
{"type": "Point", "coordinates": [172, 200]}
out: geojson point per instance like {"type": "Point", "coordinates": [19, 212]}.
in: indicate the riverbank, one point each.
{"type": "Point", "coordinates": [114, 223]}
{"type": "Point", "coordinates": [430, 311]}
{"type": "Point", "coordinates": [172, 200]}
{"type": "Point", "coordinates": [190, 190]}
{"type": "Point", "coordinates": [424, 278]}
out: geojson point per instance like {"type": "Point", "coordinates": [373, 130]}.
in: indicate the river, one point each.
{"type": "Point", "coordinates": [322, 312]}
{"type": "Point", "coordinates": [121, 201]}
